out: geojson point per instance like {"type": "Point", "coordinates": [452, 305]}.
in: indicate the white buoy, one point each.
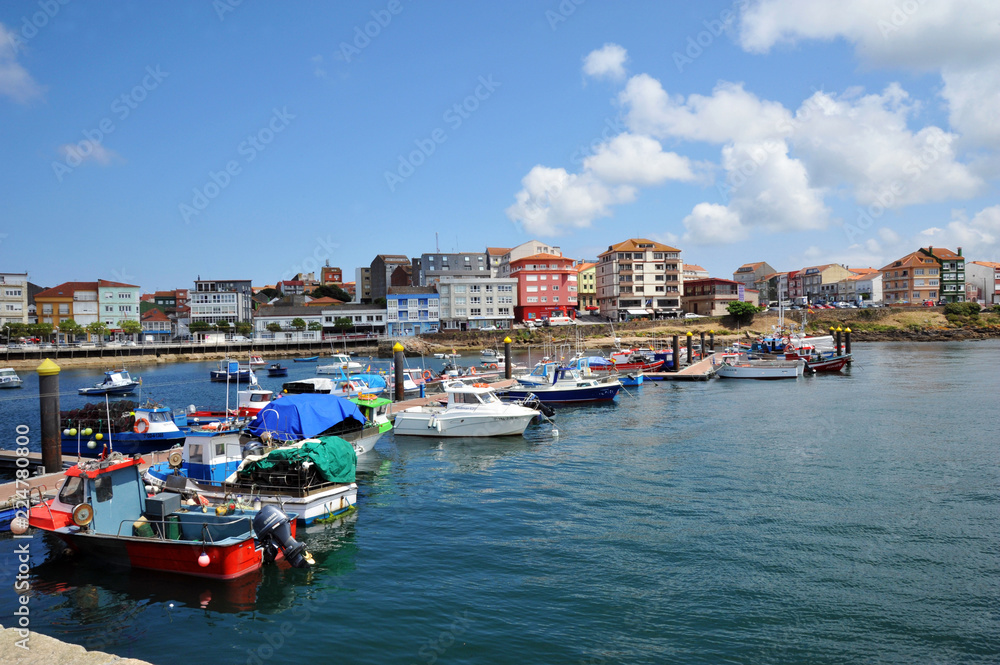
{"type": "Point", "coordinates": [555, 432]}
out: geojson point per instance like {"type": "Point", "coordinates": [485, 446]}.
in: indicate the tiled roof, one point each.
{"type": "Point", "coordinates": [66, 289]}
{"type": "Point", "coordinates": [106, 283]}
{"type": "Point", "coordinates": [633, 244]}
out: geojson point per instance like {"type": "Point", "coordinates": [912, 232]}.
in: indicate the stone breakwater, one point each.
{"type": "Point", "coordinates": [925, 335]}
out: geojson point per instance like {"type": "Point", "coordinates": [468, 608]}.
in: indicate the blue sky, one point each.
{"type": "Point", "coordinates": [257, 139]}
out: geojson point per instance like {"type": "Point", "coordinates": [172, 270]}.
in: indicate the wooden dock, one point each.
{"type": "Point", "coordinates": [703, 370]}
{"type": "Point", "coordinates": [46, 482]}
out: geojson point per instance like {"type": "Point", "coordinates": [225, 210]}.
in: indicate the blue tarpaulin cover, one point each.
{"type": "Point", "coordinates": [372, 380]}
{"type": "Point", "coordinates": [294, 417]}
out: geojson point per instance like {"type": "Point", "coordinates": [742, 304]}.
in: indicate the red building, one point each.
{"type": "Point", "coordinates": [546, 286]}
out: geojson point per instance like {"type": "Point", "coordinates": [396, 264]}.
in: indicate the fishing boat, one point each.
{"type": "Point", "coordinates": [102, 510]}
{"type": "Point", "coordinates": [340, 363]}
{"type": "Point", "coordinates": [345, 386]}
{"type": "Point", "coordinates": [447, 356]}
{"type": "Point", "coordinates": [116, 382]}
{"type": "Point", "coordinates": [631, 360]}
{"type": "Point", "coordinates": [297, 417]}
{"type": "Point", "coordinates": [815, 361]}
{"type": "Point", "coordinates": [738, 366]}
{"type": "Point", "coordinates": [277, 369]}
{"type": "Point", "coordinates": [472, 410]}
{"type": "Point", "coordinates": [231, 370]}
{"type": "Point", "coordinates": [552, 382]}
{"type": "Point", "coordinates": [119, 426]}
{"type": "Point", "coordinates": [490, 356]}
{"type": "Point", "coordinates": [310, 359]}
{"type": "Point", "coordinates": [248, 402]}
{"type": "Point", "coordinates": [312, 477]}
{"type": "Point", "coordinates": [256, 361]}
{"type": "Point", "coordinates": [9, 378]}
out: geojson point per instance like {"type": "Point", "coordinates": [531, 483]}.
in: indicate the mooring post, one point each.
{"type": "Point", "coordinates": [48, 400]}
{"type": "Point", "coordinates": [703, 350]}
{"type": "Point", "coordinates": [847, 344]}
{"type": "Point", "coordinates": [711, 339]}
{"type": "Point", "coordinates": [397, 358]}
{"type": "Point", "coordinates": [677, 355]}
{"type": "Point", "coordinates": [507, 368]}
{"type": "Point", "coordinates": [690, 358]}
{"type": "Point", "coordinates": [839, 330]}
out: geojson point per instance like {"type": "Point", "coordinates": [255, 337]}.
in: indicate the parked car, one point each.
{"type": "Point", "coordinates": [691, 315]}
{"type": "Point", "coordinates": [928, 303]}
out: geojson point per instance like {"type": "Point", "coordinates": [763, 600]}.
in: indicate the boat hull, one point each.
{"type": "Point", "coordinates": [223, 376]}
{"type": "Point", "coordinates": [278, 372]}
{"type": "Point", "coordinates": [599, 393]}
{"type": "Point", "coordinates": [117, 390]}
{"type": "Point", "coordinates": [126, 443]}
{"type": "Point", "coordinates": [760, 371]}
{"type": "Point", "coordinates": [226, 562]}
{"type": "Point", "coordinates": [438, 424]}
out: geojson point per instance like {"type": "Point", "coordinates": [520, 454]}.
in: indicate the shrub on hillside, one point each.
{"type": "Point", "coordinates": [970, 309]}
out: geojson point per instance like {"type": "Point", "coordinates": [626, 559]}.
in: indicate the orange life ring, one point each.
{"type": "Point", "coordinates": [472, 370]}
{"type": "Point", "coordinates": [366, 396]}
{"type": "Point", "coordinates": [144, 423]}
{"type": "Point", "coordinates": [493, 366]}
{"type": "Point", "coordinates": [214, 425]}
{"type": "Point", "coordinates": [346, 386]}
{"type": "Point", "coordinates": [428, 374]}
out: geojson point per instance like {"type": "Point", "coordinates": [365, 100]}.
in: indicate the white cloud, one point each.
{"type": "Point", "coordinates": [552, 201]}
{"type": "Point", "coordinates": [638, 160]}
{"type": "Point", "coordinates": [714, 224]}
{"type": "Point", "coordinates": [980, 235]}
{"type": "Point", "coordinates": [864, 142]}
{"type": "Point", "coordinates": [729, 114]}
{"type": "Point", "coordinates": [88, 151]}
{"type": "Point", "coordinates": [15, 81]}
{"type": "Point", "coordinates": [606, 62]}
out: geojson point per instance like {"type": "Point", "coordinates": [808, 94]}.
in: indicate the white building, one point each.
{"type": "Point", "coordinates": [474, 303]}
{"type": "Point", "coordinates": [524, 250]}
{"type": "Point", "coordinates": [284, 314]}
{"type": "Point", "coordinates": [984, 278]}
{"type": "Point", "coordinates": [365, 318]}
{"type": "Point", "coordinates": [13, 297]}
{"type": "Point", "coordinates": [639, 277]}
{"type": "Point", "coordinates": [212, 301]}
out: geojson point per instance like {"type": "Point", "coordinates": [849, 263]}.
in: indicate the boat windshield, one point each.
{"type": "Point", "coordinates": [157, 416]}
{"type": "Point", "coordinates": [72, 491]}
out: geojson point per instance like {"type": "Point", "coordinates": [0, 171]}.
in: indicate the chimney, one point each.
{"type": "Point", "coordinates": [959, 251]}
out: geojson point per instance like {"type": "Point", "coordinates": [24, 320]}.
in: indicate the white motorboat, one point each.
{"type": "Point", "coordinates": [116, 382]}
{"type": "Point", "coordinates": [339, 362]}
{"type": "Point", "coordinates": [9, 378]}
{"type": "Point", "coordinates": [472, 410]}
{"type": "Point", "coordinates": [737, 366]}
{"type": "Point", "coordinates": [345, 386]}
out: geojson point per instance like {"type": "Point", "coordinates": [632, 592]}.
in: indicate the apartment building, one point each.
{"type": "Point", "coordinates": [639, 277]}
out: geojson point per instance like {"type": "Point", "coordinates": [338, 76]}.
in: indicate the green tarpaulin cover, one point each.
{"type": "Point", "coordinates": [334, 459]}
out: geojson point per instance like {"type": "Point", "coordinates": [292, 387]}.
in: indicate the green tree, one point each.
{"type": "Point", "coordinates": [14, 330]}
{"type": "Point", "coordinates": [330, 291]}
{"type": "Point", "coordinates": [298, 324]}
{"type": "Point", "coordinates": [42, 330]}
{"type": "Point", "coordinates": [131, 327]}
{"type": "Point", "coordinates": [200, 326]}
{"type": "Point", "coordinates": [222, 326]}
{"type": "Point", "coordinates": [274, 327]}
{"type": "Point", "coordinates": [71, 329]}
{"type": "Point", "coordinates": [343, 323]}
{"type": "Point", "coordinates": [270, 293]}
{"type": "Point", "coordinates": [244, 328]}
{"type": "Point", "coordinates": [742, 311]}
{"type": "Point", "coordinates": [98, 330]}
{"type": "Point", "coordinates": [315, 326]}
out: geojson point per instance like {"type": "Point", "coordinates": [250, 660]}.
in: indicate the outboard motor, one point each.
{"type": "Point", "coordinates": [253, 447]}
{"type": "Point", "coordinates": [273, 530]}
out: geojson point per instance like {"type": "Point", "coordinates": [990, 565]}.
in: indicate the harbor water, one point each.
{"type": "Point", "coordinates": [847, 518]}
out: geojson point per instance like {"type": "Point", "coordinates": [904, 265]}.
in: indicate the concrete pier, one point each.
{"type": "Point", "coordinates": [703, 370]}
{"type": "Point", "coordinates": [45, 650]}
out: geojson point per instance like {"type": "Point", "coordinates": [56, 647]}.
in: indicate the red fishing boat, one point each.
{"type": "Point", "coordinates": [632, 360]}
{"type": "Point", "coordinates": [102, 510]}
{"type": "Point", "coordinates": [815, 361]}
